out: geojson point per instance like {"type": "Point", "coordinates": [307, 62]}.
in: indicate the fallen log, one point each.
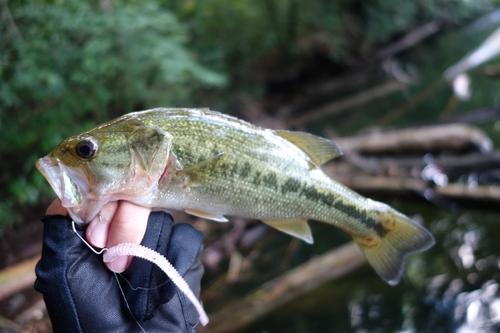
{"type": "Point", "coordinates": [470, 195]}
{"type": "Point", "coordinates": [355, 100]}
{"type": "Point", "coordinates": [411, 39]}
{"type": "Point", "coordinates": [17, 277]}
{"type": "Point", "coordinates": [455, 137]}
{"type": "Point", "coordinates": [8, 326]}
{"type": "Point", "coordinates": [283, 289]}
{"type": "Point", "coordinates": [454, 166]}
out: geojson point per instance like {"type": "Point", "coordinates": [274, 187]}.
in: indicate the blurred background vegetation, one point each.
{"type": "Point", "coordinates": [67, 65]}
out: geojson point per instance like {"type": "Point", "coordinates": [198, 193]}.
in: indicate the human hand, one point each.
{"type": "Point", "coordinates": [119, 222]}
{"type": "Point", "coordinates": [82, 296]}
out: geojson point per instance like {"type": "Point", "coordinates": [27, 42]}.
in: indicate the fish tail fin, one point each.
{"type": "Point", "coordinates": [387, 253]}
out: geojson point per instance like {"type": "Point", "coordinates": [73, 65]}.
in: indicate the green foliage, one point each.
{"type": "Point", "coordinates": [72, 66]}
{"type": "Point", "coordinates": [255, 41]}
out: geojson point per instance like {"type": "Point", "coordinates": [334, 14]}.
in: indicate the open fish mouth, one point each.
{"type": "Point", "coordinates": [66, 182]}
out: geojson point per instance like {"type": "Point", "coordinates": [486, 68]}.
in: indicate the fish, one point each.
{"type": "Point", "coordinates": [213, 165]}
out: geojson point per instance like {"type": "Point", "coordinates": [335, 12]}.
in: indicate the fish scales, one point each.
{"type": "Point", "coordinates": [261, 183]}
{"type": "Point", "coordinates": [211, 165]}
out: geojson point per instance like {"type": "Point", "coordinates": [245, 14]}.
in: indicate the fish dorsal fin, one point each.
{"type": "Point", "coordinates": [299, 228]}
{"type": "Point", "coordinates": [320, 150]}
{"type": "Point", "coordinates": [205, 215]}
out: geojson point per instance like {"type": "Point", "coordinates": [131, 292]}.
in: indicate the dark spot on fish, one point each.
{"type": "Point", "coordinates": [221, 170]}
{"type": "Point", "coordinates": [185, 156]}
{"type": "Point", "coordinates": [291, 185]}
{"type": "Point", "coordinates": [234, 169]}
{"type": "Point", "coordinates": [328, 199]}
{"type": "Point", "coordinates": [361, 216]}
{"type": "Point", "coordinates": [270, 180]}
{"type": "Point", "coordinates": [245, 170]}
{"type": "Point", "coordinates": [256, 178]}
{"type": "Point", "coordinates": [313, 194]}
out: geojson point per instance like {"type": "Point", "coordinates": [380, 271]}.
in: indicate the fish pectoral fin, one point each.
{"type": "Point", "coordinates": [299, 228]}
{"type": "Point", "coordinates": [319, 150]}
{"type": "Point", "coordinates": [205, 162]}
{"type": "Point", "coordinates": [205, 215]}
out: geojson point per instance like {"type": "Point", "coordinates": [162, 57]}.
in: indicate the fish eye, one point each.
{"type": "Point", "coordinates": [86, 149]}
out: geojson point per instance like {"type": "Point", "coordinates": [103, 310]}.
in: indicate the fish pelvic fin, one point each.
{"type": "Point", "coordinates": [318, 149]}
{"type": "Point", "coordinates": [206, 215]}
{"type": "Point", "coordinates": [387, 253]}
{"type": "Point", "coordinates": [299, 228]}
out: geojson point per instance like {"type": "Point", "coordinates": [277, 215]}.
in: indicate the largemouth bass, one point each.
{"type": "Point", "coordinates": [211, 165]}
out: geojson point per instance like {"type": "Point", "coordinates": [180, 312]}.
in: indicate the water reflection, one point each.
{"type": "Point", "coordinates": [466, 250]}
{"type": "Point", "coordinates": [459, 291]}
{"type": "Point", "coordinates": [468, 300]}
{"type": "Point", "coordinates": [478, 311]}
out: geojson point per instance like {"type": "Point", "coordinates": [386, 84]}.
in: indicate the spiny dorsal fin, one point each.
{"type": "Point", "coordinates": [320, 150]}
{"type": "Point", "coordinates": [299, 229]}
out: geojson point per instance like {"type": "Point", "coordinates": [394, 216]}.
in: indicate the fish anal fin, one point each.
{"type": "Point", "coordinates": [387, 253]}
{"type": "Point", "coordinates": [206, 215]}
{"type": "Point", "coordinates": [299, 228]}
{"type": "Point", "coordinates": [318, 149]}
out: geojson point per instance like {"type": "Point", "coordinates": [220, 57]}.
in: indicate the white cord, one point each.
{"type": "Point", "coordinates": [128, 249]}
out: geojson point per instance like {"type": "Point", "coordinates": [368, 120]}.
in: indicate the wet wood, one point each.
{"type": "Point", "coordinates": [8, 326]}
{"type": "Point", "coordinates": [410, 186]}
{"type": "Point", "coordinates": [34, 313]}
{"type": "Point", "coordinates": [490, 194]}
{"type": "Point", "coordinates": [17, 277]}
{"type": "Point", "coordinates": [355, 100]}
{"type": "Point", "coordinates": [476, 116]}
{"type": "Point", "coordinates": [285, 288]}
{"type": "Point", "coordinates": [454, 166]}
{"type": "Point", "coordinates": [411, 39]}
{"type": "Point", "coordinates": [455, 137]}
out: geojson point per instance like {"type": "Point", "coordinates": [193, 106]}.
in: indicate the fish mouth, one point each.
{"type": "Point", "coordinates": [69, 184]}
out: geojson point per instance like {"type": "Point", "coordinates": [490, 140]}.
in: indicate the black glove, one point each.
{"type": "Point", "coordinates": [82, 295]}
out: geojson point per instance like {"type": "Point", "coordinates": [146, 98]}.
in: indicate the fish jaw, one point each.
{"type": "Point", "coordinates": [72, 188]}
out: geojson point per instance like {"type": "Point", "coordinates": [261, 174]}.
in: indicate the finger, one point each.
{"type": "Point", "coordinates": [127, 226]}
{"type": "Point", "coordinates": [56, 208]}
{"type": "Point", "coordinates": [98, 229]}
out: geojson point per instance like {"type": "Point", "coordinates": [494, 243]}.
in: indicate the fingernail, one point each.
{"type": "Point", "coordinates": [98, 235]}
{"type": "Point", "coordinates": [119, 264]}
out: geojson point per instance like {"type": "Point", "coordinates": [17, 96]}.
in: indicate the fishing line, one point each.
{"type": "Point", "coordinates": [128, 249]}
{"type": "Point", "coordinates": [126, 303]}
{"type": "Point", "coordinates": [142, 288]}
{"type": "Point", "coordinates": [83, 240]}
